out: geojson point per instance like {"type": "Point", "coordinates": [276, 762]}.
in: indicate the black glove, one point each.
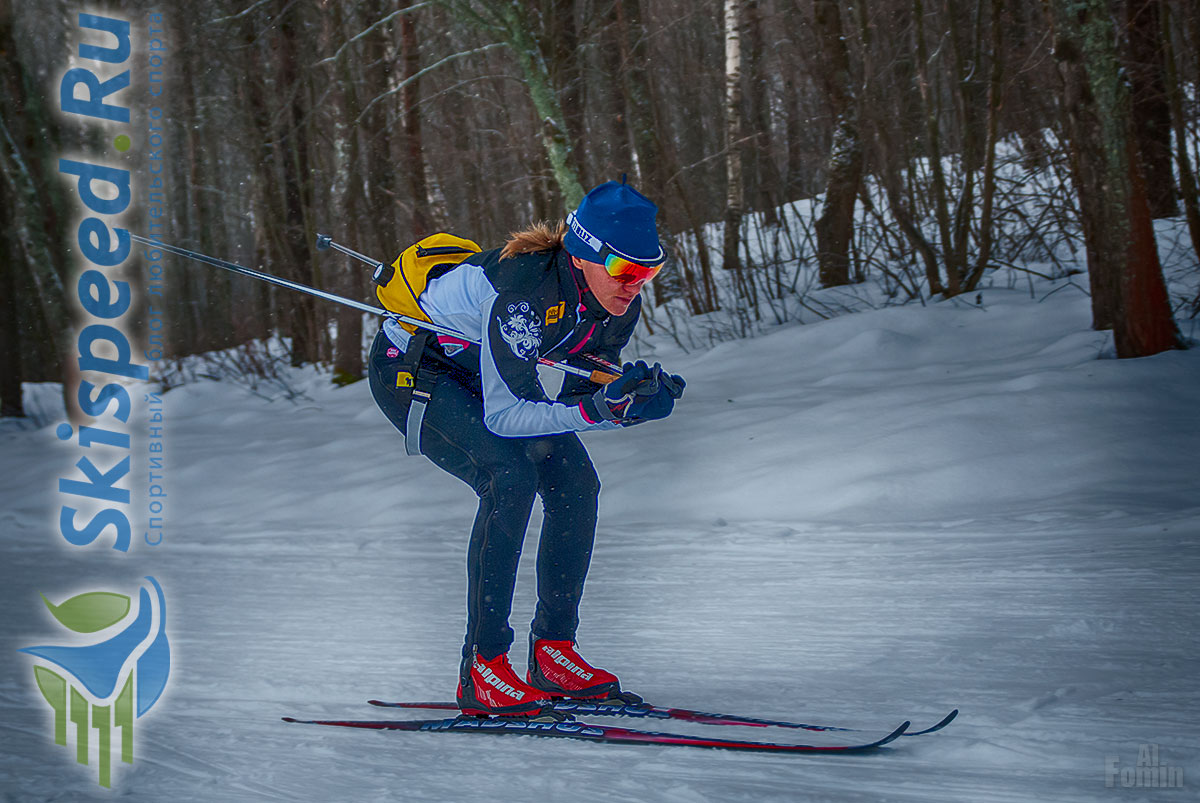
{"type": "Point", "coordinates": [642, 393]}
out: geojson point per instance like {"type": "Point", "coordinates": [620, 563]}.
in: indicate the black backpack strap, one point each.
{"type": "Point", "coordinates": [422, 392]}
{"type": "Point", "coordinates": [424, 378]}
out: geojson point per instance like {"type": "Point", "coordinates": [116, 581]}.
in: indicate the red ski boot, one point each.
{"type": "Point", "coordinates": [555, 667]}
{"type": "Point", "coordinates": [492, 688]}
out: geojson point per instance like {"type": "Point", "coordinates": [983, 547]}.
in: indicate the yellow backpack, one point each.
{"type": "Point", "coordinates": [399, 285]}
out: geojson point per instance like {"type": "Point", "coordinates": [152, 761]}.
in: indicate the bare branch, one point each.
{"type": "Point", "coordinates": [240, 14]}
{"type": "Point", "coordinates": [370, 28]}
{"type": "Point", "coordinates": [419, 73]}
{"type": "Point", "coordinates": [710, 157]}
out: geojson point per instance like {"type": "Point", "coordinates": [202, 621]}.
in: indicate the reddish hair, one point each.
{"type": "Point", "coordinates": [540, 236]}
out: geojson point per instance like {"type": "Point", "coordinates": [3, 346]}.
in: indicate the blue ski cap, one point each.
{"type": "Point", "coordinates": [617, 215]}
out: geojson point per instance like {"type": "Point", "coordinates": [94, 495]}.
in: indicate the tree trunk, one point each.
{"type": "Point", "coordinates": [260, 159]}
{"type": "Point", "coordinates": [734, 189]}
{"type": "Point", "coordinates": [1115, 211]}
{"type": "Point", "coordinates": [1187, 178]}
{"type": "Point", "coordinates": [376, 141]}
{"type": "Point", "coordinates": [894, 133]}
{"type": "Point", "coordinates": [1024, 32]}
{"type": "Point", "coordinates": [933, 144]}
{"type": "Point", "coordinates": [292, 151]}
{"type": "Point", "coordinates": [1086, 156]}
{"type": "Point", "coordinates": [1151, 106]}
{"type": "Point", "coordinates": [658, 165]}
{"type": "Point", "coordinates": [614, 127]}
{"type": "Point", "coordinates": [12, 372]}
{"type": "Point", "coordinates": [796, 177]}
{"type": "Point", "coordinates": [969, 97]}
{"type": "Point", "coordinates": [555, 131]}
{"type": "Point", "coordinates": [994, 101]}
{"type": "Point", "coordinates": [766, 179]}
{"type": "Point", "coordinates": [414, 150]}
{"type": "Point", "coordinates": [566, 74]}
{"type": "Point", "coordinates": [835, 226]}
{"type": "Point", "coordinates": [210, 293]}
{"type": "Point", "coordinates": [795, 173]}
{"type": "Point", "coordinates": [35, 212]}
{"type": "Point", "coordinates": [349, 133]}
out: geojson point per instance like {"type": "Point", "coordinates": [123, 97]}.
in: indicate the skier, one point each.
{"type": "Point", "coordinates": [569, 292]}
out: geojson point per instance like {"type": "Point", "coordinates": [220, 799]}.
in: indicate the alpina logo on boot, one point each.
{"type": "Point", "coordinates": [489, 677]}
{"type": "Point", "coordinates": [566, 663]}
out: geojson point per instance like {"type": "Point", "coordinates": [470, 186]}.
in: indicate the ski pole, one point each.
{"type": "Point", "coordinates": [611, 372]}
{"type": "Point", "coordinates": [325, 242]}
{"type": "Point", "coordinates": [599, 377]}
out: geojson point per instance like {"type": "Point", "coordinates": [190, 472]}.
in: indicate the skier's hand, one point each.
{"type": "Point", "coordinates": [642, 393]}
{"type": "Point", "coordinates": [650, 407]}
{"type": "Point", "coordinates": [636, 378]}
{"type": "Point", "coordinates": [673, 383]}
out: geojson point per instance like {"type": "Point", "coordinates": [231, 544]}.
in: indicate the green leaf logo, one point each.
{"type": "Point", "coordinates": [54, 688]}
{"type": "Point", "coordinates": [87, 613]}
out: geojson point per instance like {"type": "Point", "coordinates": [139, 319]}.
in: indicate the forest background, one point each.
{"type": "Point", "coordinates": [792, 146]}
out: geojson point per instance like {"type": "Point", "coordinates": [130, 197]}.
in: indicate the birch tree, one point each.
{"type": "Point", "coordinates": [734, 188]}
{"type": "Point", "coordinates": [844, 169]}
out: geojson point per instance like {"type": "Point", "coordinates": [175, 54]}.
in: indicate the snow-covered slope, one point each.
{"type": "Point", "coordinates": [862, 520]}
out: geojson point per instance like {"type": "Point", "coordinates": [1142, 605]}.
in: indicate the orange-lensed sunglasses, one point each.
{"type": "Point", "coordinates": [627, 270]}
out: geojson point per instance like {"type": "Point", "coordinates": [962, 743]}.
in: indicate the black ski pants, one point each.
{"type": "Point", "coordinates": [506, 474]}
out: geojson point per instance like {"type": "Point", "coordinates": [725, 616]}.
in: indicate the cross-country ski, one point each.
{"type": "Point", "coordinates": [591, 732]}
{"type": "Point", "coordinates": [646, 711]}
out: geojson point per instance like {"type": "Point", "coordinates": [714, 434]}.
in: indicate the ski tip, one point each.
{"type": "Point", "coordinates": [894, 735]}
{"type": "Point", "coordinates": [411, 704]}
{"type": "Point", "coordinates": [946, 720]}
{"type": "Point", "coordinates": [289, 719]}
{"type": "Point", "coordinates": [439, 706]}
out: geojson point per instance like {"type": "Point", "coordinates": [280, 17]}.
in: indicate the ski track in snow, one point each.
{"type": "Point", "coordinates": [870, 519]}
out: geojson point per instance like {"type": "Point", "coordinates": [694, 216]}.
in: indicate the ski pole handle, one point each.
{"type": "Point", "coordinates": [603, 377]}
{"type": "Point", "coordinates": [611, 372]}
{"type": "Point", "coordinates": [325, 242]}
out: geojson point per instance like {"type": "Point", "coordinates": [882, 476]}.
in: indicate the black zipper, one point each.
{"type": "Point", "coordinates": [441, 250]}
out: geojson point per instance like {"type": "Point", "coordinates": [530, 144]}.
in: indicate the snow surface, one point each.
{"type": "Point", "coordinates": [858, 521]}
